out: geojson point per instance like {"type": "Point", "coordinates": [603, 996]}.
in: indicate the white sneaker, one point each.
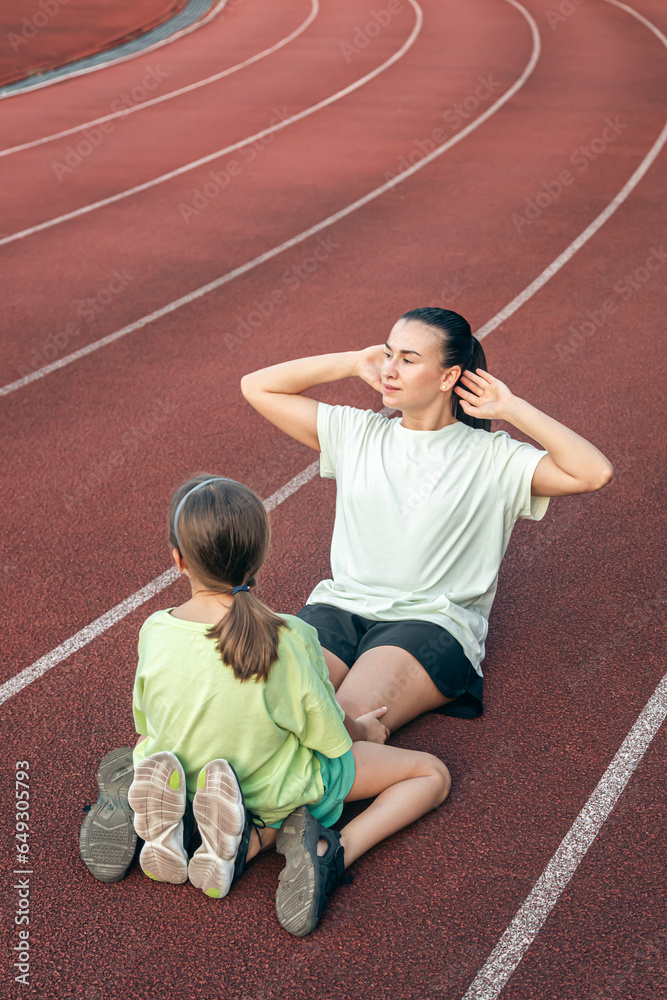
{"type": "Point", "coordinates": [157, 797]}
{"type": "Point", "coordinates": [224, 827]}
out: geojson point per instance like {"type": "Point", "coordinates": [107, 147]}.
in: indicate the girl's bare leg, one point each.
{"type": "Point", "coordinates": [388, 675]}
{"type": "Point", "coordinates": [268, 840]}
{"type": "Point", "coordinates": [407, 783]}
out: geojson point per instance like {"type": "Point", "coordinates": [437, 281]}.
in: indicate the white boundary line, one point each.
{"type": "Point", "coordinates": [116, 614]}
{"type": "Point", "coordinates": [119, 59]}
{"type": "Point", "coordinates": [306, 234]}
{"type": "Point", "coordinates": [522, 931]}
{"type": "Point", "coordinates": [520, 934]}
{"type": "Point", "coordinates": [211, 157]}
{"type": "Point", "coordinates": [314, 11]}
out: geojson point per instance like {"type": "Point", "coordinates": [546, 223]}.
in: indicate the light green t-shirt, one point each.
{"type": "Point", "coordinates": [189, 702]}
{"type": "Point", "coordinates": [423, 519]}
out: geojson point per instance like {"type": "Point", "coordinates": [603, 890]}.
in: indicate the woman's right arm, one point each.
{"type": "Point", "coordinates": [275, 392]}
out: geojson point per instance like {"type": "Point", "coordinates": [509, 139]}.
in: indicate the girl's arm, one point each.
{"type": "Point", "coordinates": [573, 464]}
{"type": "Point", "coordinates": [275, 392]}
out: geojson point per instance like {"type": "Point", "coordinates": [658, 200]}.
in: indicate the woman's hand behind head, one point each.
{"type": "Point", "coordinates": [370, 365]}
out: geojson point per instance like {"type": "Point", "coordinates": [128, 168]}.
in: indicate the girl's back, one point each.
{"type": "Point", "coordinates": [267, 729]}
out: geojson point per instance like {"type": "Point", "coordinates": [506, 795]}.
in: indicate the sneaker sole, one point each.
{"type": "Point", "coordinates": [107, 840]}
{"type": "Point", "coordinates": [158, 797]}
{"type": "Point", "coordinates": [298, 889]}
{"type": "Point", "coordinates": [220, 814]}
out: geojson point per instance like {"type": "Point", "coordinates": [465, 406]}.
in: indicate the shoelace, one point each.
{"type": "Point", "coordinates": [257, 825]}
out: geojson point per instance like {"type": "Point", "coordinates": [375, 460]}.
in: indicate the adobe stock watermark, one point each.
{"type": "Point", "coordinates": [131, 440]}
{"type": "Point", "coordinates": [649, 956]}
{"type": "Point", "coordinates": [32, 25]}
{"type": "Point", "coordinates": [451, 289]}
{"type": "Point", "coordinates": [564, 10]}
{"type": "Point", "coordinates": [631, 282]}
{"type": "Point", "coordinates": [87, 310]}
{"type": "Point", "coordinates": [364, 34]}
{"type": "Point", "coordinates": [21, 950]}
{"type": "Point", "coordinates": [454, 119]}
{"type": "Point", "coordinates": [221, 179]}
{"type": "Point", "coordinates": [550, 191]}
{"type": "Point", "coordinates": [613, 643]}
{"type": "Point", "coordinates": [291, 281]}
{"type": "Point", "coordinates": [568, 517]}
{"type": "Point", "coordinates": [93, 137]}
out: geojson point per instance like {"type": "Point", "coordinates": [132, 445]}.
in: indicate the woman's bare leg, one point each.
{"type": "Point", "coordinates": [389, 675]}
{"type": "Point", "coordinates": [338, 670]}
{"type": "Point", "coordinates": [407, 783]}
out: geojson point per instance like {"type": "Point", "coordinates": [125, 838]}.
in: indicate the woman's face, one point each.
{"type": "Point", "coordinates": [411, 372]}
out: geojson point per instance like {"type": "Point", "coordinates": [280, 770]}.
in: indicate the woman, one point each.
{"type": "Point", "coordinates": [424, 511]}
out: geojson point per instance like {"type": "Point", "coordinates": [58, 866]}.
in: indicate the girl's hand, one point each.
{"type": "Point", "coordinates": [370, 364]}
{"type": "Point", "coordinates": [375, 731]}
{"type": "Point", "coordinates": [484, 396]}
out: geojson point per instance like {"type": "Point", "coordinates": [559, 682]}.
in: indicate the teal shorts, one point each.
{"type": "Point", "coordinates": [337, 778]}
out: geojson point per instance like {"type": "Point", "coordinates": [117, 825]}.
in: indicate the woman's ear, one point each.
{"type": "Point", "coordinates": [451, 378]}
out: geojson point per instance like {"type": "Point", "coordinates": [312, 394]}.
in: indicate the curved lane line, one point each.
{"type": "Point", "coordinates": [528, 921]}
{"type": "Point", "coordinates": [597, 223]}
{"type": "Point", "coordinates": [306, 234]}
{"type": "Point", "coordinates": [314, 11]}
{"type": "Point", "coordinates": [113, 62]}
{"type": "Point", "coordinates": [116, 614]}
{"type": "Point", "coordinates": [227, 149]}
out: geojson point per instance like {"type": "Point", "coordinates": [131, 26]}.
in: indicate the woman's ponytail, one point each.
{"type": "Point", "coordinates": [457, 347]}
{"type": "Point", "coordinates": [477, 360]}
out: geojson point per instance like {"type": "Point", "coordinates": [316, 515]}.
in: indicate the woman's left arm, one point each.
{"type": "Point", "coordinates": [573, 464]}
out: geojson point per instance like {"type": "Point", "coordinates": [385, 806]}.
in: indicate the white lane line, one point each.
{"type": "Point", "coordinates": [211, 157]}
{"type": "Point", "coordinates": [314, 10]}
{"type": "Point", "coordinates": [520, 934]}
{"type": "Point", "coordinates": [306, 234]}
{"type": "Point", "coordinates": [583, 238]}
{"type": "Point", "coordinates": [522, 931]}
{"type": "Point", "coordinates": [117, 613]}
{"type": "Point", "coordinates": [119, 59]}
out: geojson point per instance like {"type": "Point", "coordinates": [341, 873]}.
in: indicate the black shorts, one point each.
{"type": "Point", "coordinates": [348, 636]}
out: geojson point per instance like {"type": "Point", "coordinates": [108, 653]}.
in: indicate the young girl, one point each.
{"type": "Point", "coordinates": [237, 714]}
{"type": "Point", "coordinates": [425, 507]}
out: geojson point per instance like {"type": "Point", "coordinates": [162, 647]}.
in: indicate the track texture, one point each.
{"type": "Point", "coordinates": [94, 451]}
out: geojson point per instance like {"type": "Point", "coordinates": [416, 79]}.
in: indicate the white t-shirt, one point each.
{"type": "Point", "coordinates": [423, 519]}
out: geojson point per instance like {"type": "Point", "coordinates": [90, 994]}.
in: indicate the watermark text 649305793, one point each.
{"type": "Point", "coordinates": [20, 948]}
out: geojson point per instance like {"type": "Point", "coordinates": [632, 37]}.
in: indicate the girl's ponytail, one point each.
{"type": "Point", "coordinates": [222, 531]}
{"type": "Point", "coordinates": [248, 636]}
{"type": "Point", "coordinates": [457, 347]}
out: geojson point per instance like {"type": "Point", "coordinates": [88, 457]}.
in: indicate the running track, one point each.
{"type": "Point", "coordinates": [94, 449]}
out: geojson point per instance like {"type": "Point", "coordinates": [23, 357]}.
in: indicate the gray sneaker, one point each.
{"type": "Point", "coordinates": [108, 840]}
{"type": "Point", "coordinates": [307, 880]}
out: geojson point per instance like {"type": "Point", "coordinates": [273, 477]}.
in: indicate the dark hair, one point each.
{"type": "Point", "coordinates": [457, 347]}
{"type": "Point", "coordinates": [224, 535]}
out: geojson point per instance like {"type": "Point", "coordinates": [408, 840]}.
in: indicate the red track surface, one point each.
{"type": "Point", "coordinates": [97, 448]}
{"type": "Point", "coordinates": [44, 36]}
